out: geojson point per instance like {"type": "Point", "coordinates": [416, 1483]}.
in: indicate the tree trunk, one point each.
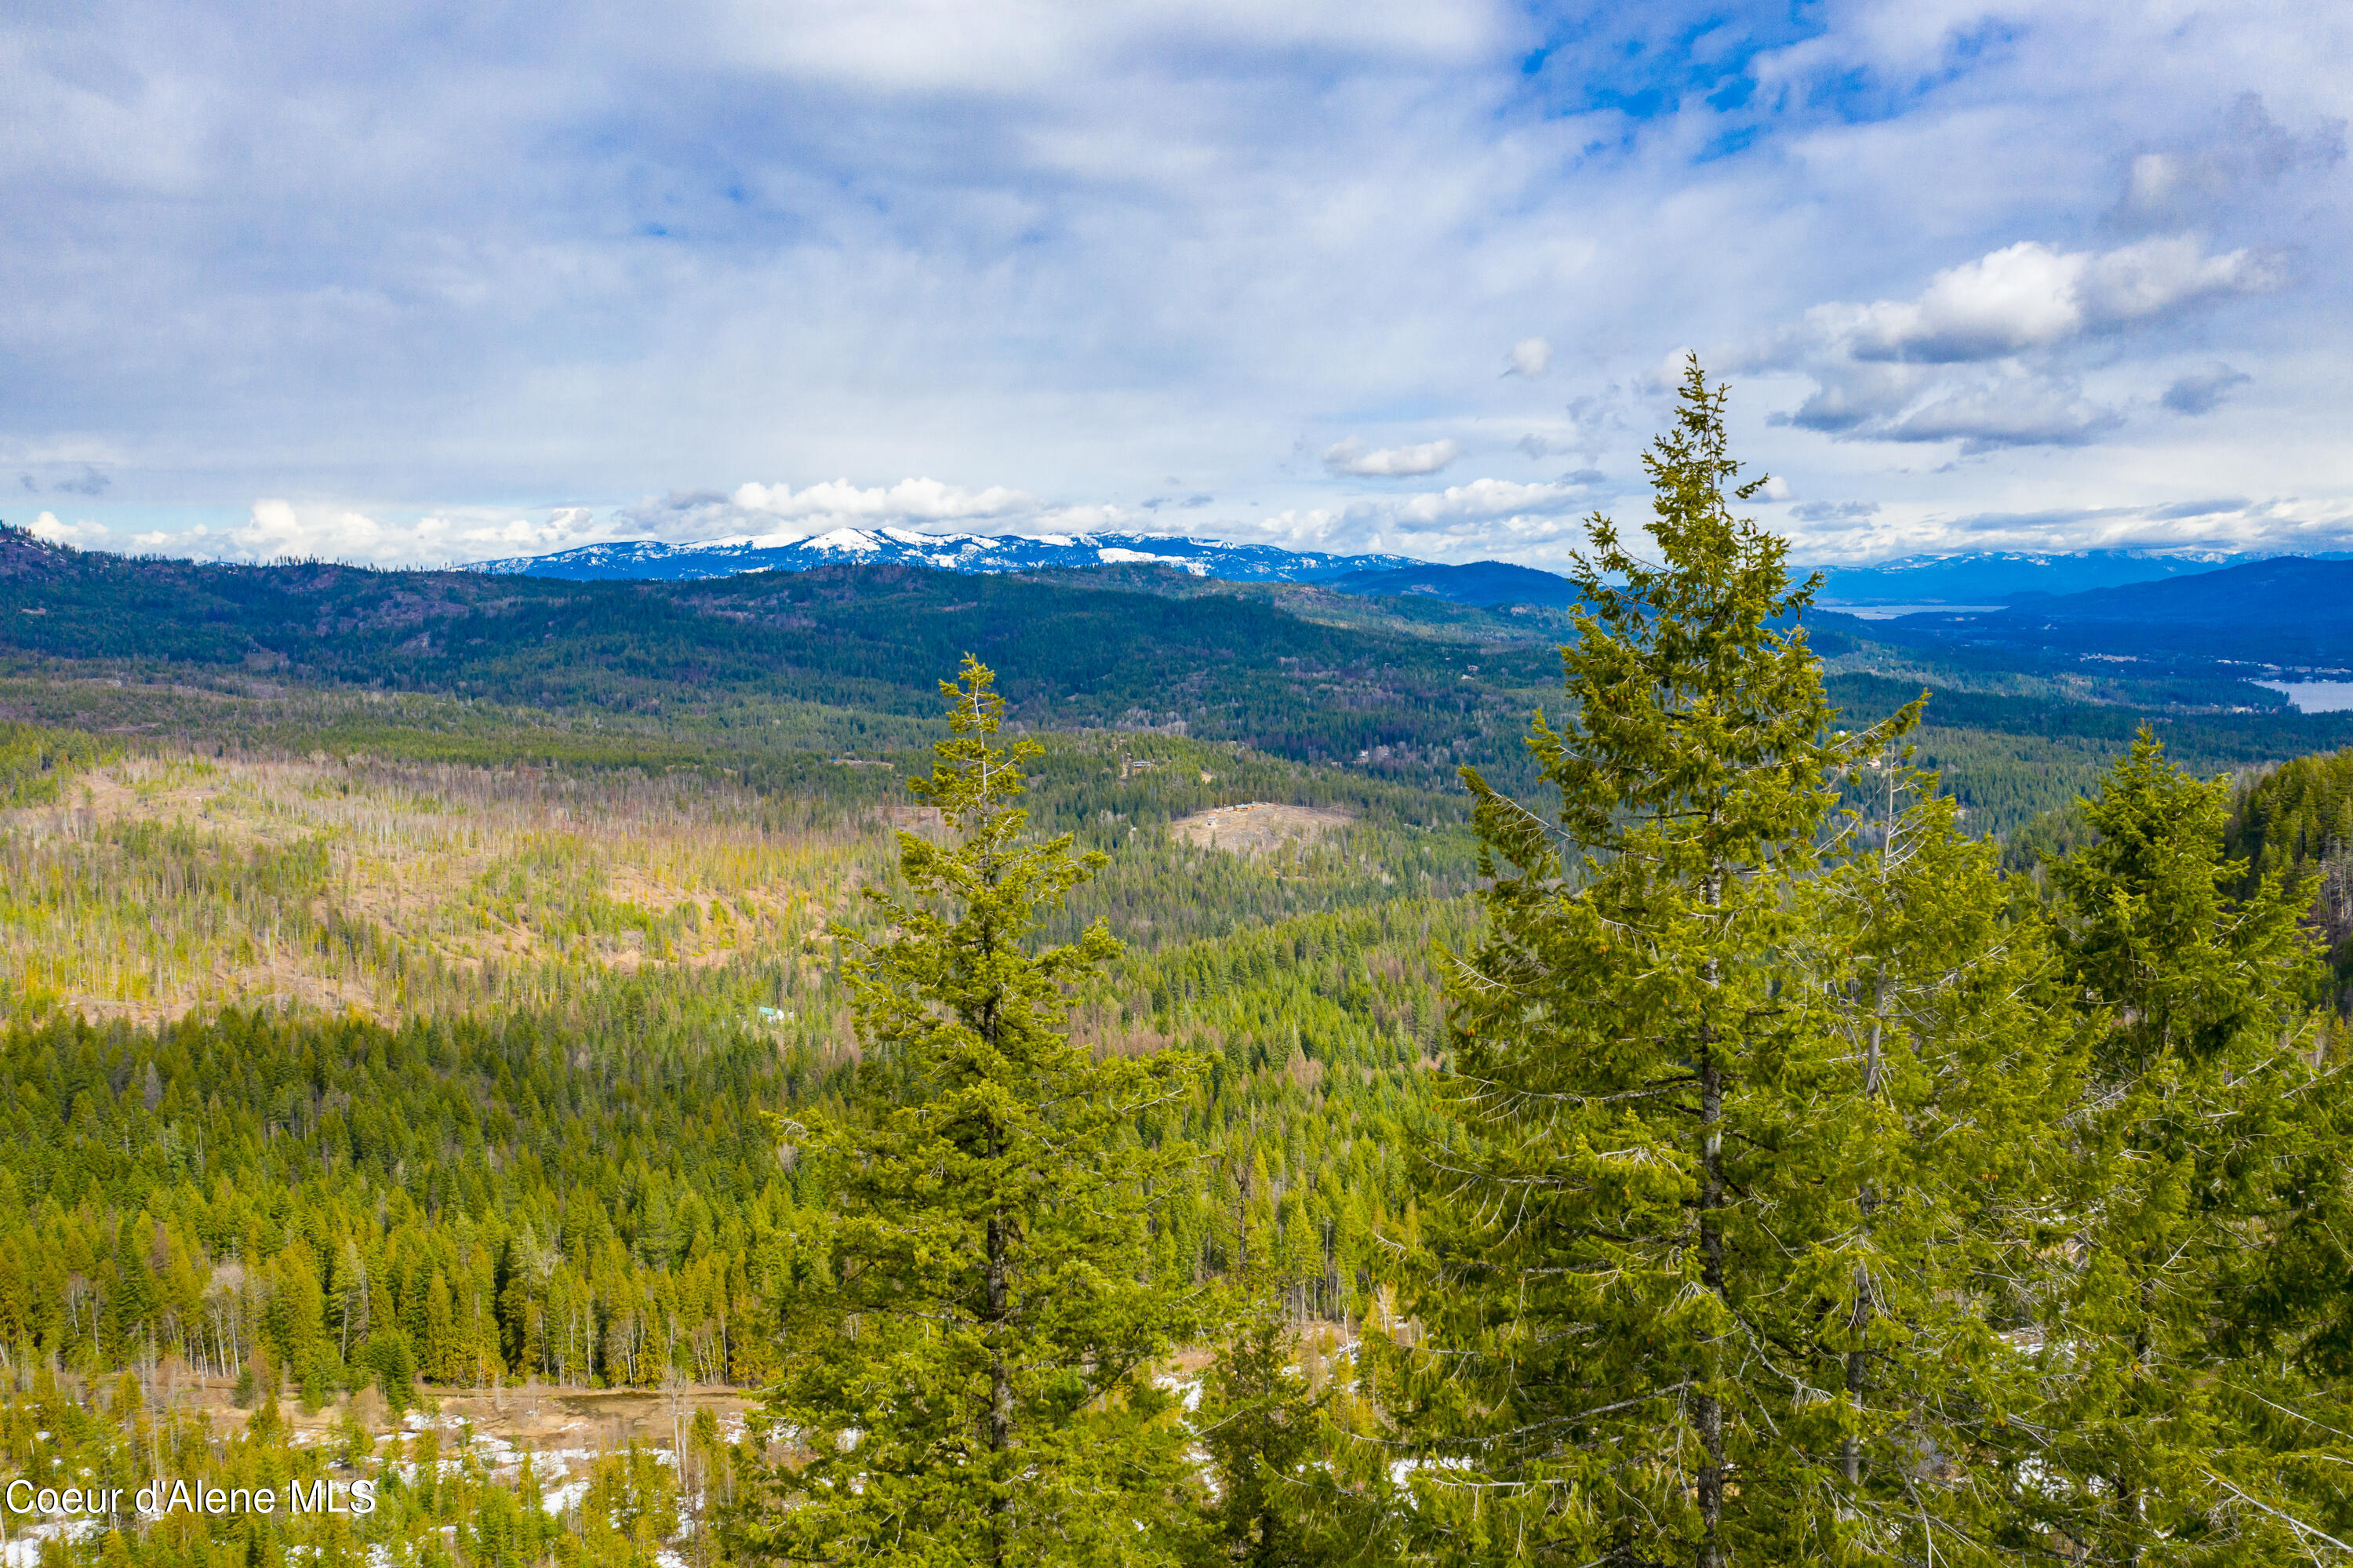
{"type": "Point", "coordinates": [1711, 1243]}
{"type": "Point", "coordinates": [1711, 1246]}
{"type": "Point", "coordinates": [1857, 1359]}
{"type": "Point", "coordinates": [1000, 1390]}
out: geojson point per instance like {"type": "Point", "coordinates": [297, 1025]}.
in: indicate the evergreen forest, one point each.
{"type": "Point", "coordinates": [871, 1066]}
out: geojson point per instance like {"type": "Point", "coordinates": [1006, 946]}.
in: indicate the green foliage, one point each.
{"type": "Point", "coordinates": [1599, 1242]}
{"type": "Point", "coordinates": [1909, 1138]}
{"type": "Point", "coordinates": [2208, 1135]}
{"type": "Point", "coordinates": [1262, 1425]}
{"type": "Point", "coordinates": [34, 763]}
{"type": "Point", "coordinates": [2297, 818]}
{"type": "Point", "coordinates": [444, 1494]}
{"type": "Point", "coordinates": [1775, 1199]}
{"type": "Point", "coordinates": [764, 676]}
{"type": "Point", "coordinates": [1738, 1106]}
{"type": "Point", "coordinates": [970, 1370]}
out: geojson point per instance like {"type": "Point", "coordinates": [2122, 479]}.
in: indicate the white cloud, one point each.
{"type": "Point", "coordinates": [82, 535]}
{"type": "Point", "coordinates": [1349, 457]}
{"type": "Point", "coordinates": [277, 530]}
{"type": "Point", "coordinates": [1531, 357]}
{"type": "Point", "coordinates": [597, 254]}
{"type": "Point", "coordinates": [912, 501]}
{"type": "Point", "coordinates": [1982, 356]}
{"type": "Point", "coordinates": [839, 501]}
{"type": "Point", "coordinates": [2009, 408]}
{"type": "Point", "coordinates": [1481, 500]}
{"type": "Point", "coordinates": [2029, 296]}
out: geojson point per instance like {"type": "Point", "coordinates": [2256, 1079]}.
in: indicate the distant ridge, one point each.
{"type": "Point", "coordinates": [648, 560]}
{"type": "Point", "coordinates": [1481, 583]}
{"type": "Point", "coordinates": [2282, 610]}
{"type": "Point", "coordinates": [1998, 577]}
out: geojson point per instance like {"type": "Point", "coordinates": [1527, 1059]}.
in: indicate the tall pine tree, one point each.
{"type": "Point", "coordinates": [971, 1381]}
{"type": "Point", "coordinates": [1692, 1294]}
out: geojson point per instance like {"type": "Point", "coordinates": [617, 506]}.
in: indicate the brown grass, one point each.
{"type": "Point", "coordinates": [1259, 826]}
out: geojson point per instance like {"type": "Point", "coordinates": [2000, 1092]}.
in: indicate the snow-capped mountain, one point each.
{"type": "Point", "coordinates": [646, 559]}
{"type": "Point", "coordinates": [1996, 576]}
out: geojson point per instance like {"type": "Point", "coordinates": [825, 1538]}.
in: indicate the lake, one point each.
{"type": "Point", "coordinates": [2313, 697]}
{"type": "Point", "coordinates": [1891, 611]}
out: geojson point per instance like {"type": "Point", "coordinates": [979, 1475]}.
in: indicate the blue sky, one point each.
{"type": "Point", "coordinates": [429, 282]}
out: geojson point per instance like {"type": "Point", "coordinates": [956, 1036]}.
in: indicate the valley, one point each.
{"type": "Point", "coordinates": [399, 971]}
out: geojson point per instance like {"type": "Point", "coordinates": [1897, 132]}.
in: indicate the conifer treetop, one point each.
{"type": "Point", "coordinates": [1696, 714]}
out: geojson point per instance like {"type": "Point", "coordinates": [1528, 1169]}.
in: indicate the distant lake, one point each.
{"type": "Point", "coordinates": [2313, 697]}
{"type": "Point", "coordinates": [1889, 611]}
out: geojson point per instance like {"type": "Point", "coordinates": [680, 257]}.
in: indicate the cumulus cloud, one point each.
{"type": "Point", "coordinates": [1531, 357]}
{"type": "Point", "coordinates": [1481, 499]}
{"type": "Point", "coordinates": [909, 501]}
{"type": "Point", "coordinates": [2203, 391]}
{"type": "Point", "coordinates": [82, 535]}
{"type": "Point", "coordinates": [1977, 357]}
{"type": "Point", "coordinates": [276, 529]}
{"type": "Point", "coordinates": [279, 529]}
{"type": "Point", "coordinates": [1351, 458]}
{"type": "Point", "coordinates": [778, 514]}
{"type": "Point", "coordinates": [2028, 296]}
{"type": "Point", "coordinates": [2013, 406]}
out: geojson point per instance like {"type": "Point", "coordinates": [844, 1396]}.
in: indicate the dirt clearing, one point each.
{"type": "Point", "coordinates": [1258, 826]}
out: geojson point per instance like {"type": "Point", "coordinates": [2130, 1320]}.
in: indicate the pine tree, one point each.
{"type": "Point", "coordinates": [1260, 1422]}
{"type": "Point", "coordinates": [1661, 1304]}
{"type": "Point", "coordinates": [2178, 1419]}
{"type": "Point", "coordinates": [1921, 1128]}
{"type": "Point", "coordinates": [973, 1383]}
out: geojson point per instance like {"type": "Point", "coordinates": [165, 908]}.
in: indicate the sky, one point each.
{"type": "Point", "coordinates": [422, 282]}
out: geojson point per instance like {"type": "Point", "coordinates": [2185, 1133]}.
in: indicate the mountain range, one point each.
{"type": "Point", "coordinates": [1993, 577]}
{"type": "Point", "coordinates": [2172, 609]}
{"type": "Point", "coordinates": [649, 560]}
{"type": "Point", "coordinates": [1983, 579]}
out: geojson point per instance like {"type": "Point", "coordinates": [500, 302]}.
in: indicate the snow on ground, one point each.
{"type": "Point", "coordinates": [24, 1550]}
{"type": "Point", "coordinates": [561, 1500]}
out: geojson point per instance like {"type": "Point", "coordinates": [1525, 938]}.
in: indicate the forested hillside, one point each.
{"type": "Point", "coordinates": [639, 1073]}
{"type": "Point", "coordinates": [755, 671]}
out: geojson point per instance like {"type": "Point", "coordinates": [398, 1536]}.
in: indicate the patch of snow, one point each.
{"type": "Point", "coordinates": [561, 1500]}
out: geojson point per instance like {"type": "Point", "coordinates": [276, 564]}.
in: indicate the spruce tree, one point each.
{"type": "Point", "coordinates": [971, 1379]}
{"type": "Point", "coordinates": [2187, 1416]}
{"type": "Point", "coordinates": [1682, 1299]}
